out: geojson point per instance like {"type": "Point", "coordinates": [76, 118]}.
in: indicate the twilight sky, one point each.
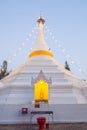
{"type": "Point", "coordinates": [66, 22]}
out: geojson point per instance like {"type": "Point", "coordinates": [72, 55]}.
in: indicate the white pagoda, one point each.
{"type": "Point", "coordinates": [41, 84]}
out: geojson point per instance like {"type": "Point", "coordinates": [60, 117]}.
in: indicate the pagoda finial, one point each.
{"type": "Point", "coordinates": [41, 20]}
{"type": "Point", "coordinates": [40, 47]}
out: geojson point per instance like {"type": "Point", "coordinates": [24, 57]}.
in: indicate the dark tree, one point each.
{"type": "Point", "coordinates": [5, 64]}
{"type": "Point", "coordinates": [67, 66]}
{"type": "Point", "coordinates": [3, 70]}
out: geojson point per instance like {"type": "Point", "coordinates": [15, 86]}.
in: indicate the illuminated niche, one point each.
{"type": "Point", "coordinates": [41, 91]}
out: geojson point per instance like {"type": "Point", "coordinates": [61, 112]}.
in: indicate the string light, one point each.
{"type": "Point", "coordinates": [55, 40]}
{"type": "Point", "coordinates": [63, 50]}
{"type": "Point", "coordinates": [22, 45]}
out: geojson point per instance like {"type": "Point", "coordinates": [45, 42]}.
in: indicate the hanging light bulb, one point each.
{"type": "Point", "coordinates": [19, 49]}
{"type": "Point", "coordinates": [29, 35]}
{"type": "Point", "coordinates": [72, 62]}
{"type": "Point", "coordinates": [79, 69]}
{"type": "Point", "coordinates": [23, 44]}
{"type": "Point", "coordinates": [14, 55]}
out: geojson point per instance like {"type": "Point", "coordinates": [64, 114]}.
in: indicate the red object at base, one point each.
{"type": "Point", "coordinates": [24, 110]}
{"type": "Point", "coordinates": [47, 125]}
{"type": "Point", "coordinates": [41, 121]}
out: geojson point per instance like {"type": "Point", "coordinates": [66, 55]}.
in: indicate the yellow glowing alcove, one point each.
{"type": "Point", "coordinates": [41, 91]}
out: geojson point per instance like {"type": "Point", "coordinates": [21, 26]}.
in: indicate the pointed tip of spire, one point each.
{"type": "Point", "coordinates": [41, 19]}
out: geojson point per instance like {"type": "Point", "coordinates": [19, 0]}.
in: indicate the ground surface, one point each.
{"type": "Point", "coordinates": [59, 126]}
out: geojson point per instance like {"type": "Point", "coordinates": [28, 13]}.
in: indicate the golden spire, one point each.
{"type": "Point", "coordinates": [41, 47]}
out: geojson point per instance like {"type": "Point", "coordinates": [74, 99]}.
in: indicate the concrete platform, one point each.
{"type": "Point", "coordinates": [11, 114]}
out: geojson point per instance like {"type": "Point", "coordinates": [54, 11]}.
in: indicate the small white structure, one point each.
{"type": "Point", "coordinates": [66, 95]}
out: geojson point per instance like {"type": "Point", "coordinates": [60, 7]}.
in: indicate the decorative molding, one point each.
{"type": "Point", "coordinates": [41, 76]}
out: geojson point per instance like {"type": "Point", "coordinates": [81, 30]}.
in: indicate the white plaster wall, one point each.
{"type": "Point", "coordinates": [62, 113]}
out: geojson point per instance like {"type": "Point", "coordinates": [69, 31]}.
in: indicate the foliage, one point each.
{"type": "Point", "coordinates": [3, 70]}
{"type": "Point", "coordinates": [67, 66]}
